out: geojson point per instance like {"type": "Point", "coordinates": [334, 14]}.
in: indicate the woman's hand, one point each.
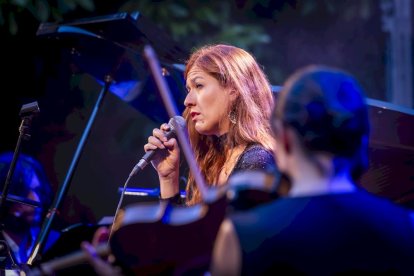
{"type": "Point", "coordinates": [166, 161]}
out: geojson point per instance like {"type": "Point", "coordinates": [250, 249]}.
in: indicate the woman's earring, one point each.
{"type": "Point", "coordinates": [232, 117]}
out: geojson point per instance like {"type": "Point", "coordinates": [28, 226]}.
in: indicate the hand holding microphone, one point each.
{"type": "Point", "coordinates": [162, 148]}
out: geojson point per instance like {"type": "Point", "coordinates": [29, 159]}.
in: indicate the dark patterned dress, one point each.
{"type": "Point", "coordinates": [254, 158]}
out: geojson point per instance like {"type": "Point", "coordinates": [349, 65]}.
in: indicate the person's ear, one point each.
{"type": "Point", "coordinates": [233, 94]}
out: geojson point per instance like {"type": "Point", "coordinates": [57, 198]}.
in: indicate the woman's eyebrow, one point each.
{"type": "Point", "coordinates": [193, 80]}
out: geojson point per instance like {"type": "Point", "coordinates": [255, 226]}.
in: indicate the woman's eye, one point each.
{"type": "Point", "coordinates": [198, 86]}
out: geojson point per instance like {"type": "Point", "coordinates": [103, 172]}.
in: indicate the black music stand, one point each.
{"type": "Point", "coordinates": [108, 48]}
{"type": "Point", "coordinates": [27, 113]}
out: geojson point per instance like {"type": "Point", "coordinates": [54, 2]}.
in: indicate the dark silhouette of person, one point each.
{"type": "Point", "coordinates": [326, 225]}
{"type": "Point", "coordinates": [21, 222]}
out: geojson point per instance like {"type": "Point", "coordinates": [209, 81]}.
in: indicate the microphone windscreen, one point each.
{"type": "Point", "coordinates": [177, 122]}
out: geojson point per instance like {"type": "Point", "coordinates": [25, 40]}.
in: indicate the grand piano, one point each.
{"type": "Point", "coordinates": [113, 45]}
{"type": "Point", "coordinates": [391, 153]}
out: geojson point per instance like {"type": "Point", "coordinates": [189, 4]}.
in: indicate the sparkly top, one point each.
{"type": "Point", "coordinates": [255, 157]}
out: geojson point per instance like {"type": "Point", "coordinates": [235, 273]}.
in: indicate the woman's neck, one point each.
{"type": "Point", "coordinates": [316, 175]}
{"type": "Point", "coordinates": [233, 155]}
{"type": "Point", "coordinates": [222, 141]}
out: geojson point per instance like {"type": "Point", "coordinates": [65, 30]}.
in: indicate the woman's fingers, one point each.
{"type": "Point", "coordinates": [159, 139]}
{"type": "Point", "coordinates": [160, 134]}
{"type": "Point", "coordinates": [165, 127]}
{"type": "Point", "coordinates": [155, 142]}
{"type": "Point", "coordinates": [149, 146]}
{"type": "Point", "coordinates": [170, 143]}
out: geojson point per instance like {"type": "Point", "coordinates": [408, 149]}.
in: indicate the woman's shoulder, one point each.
{"type": "Point", "coordinates": [255, 157]}
{"type": "Point", "coordinates": [257, 150]}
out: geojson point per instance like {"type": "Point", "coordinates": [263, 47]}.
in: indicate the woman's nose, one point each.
{"type": "Point", "coordinates": [189, 99]}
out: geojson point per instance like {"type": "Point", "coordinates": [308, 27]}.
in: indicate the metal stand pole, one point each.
{"type": "Point", "coordinates": [27, 112]}
{"type": "Point", "coordinates": [44, 232]}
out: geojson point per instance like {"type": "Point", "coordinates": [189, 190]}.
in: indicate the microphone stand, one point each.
{"type": "Point", "coordinates": [27, 112]}
{"type": "Point", "coordinates": [121, 199]}
{"type": "Point", "coordinates": [44, 232]}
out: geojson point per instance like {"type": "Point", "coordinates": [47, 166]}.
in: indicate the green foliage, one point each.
{"type": "Point", "coordinates": [192, 23]}
{"type": "Point", "coordinates": [195, 23]}
{"type": "Point", "coordinates": [347, 10]}
{"type": "Point", "coordinates": [40, 10]}
{"type": "Point", "coordinates": [255, 25]}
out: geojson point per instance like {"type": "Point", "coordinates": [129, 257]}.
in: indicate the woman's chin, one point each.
{"type": "Point", "coordinates": [202, 130]}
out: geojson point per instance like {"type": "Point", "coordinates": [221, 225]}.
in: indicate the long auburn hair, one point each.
{"type": "Point", "coordinates": [234, 68]}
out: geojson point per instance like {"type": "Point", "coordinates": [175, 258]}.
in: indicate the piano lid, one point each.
{"type": "Point", "coordinates": [111, 46]}
{"type": "Point", "coordinates": [130, 30]}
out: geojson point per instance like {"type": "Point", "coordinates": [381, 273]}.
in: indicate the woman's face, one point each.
{"type": "Point", "coordinates": [207, 102]}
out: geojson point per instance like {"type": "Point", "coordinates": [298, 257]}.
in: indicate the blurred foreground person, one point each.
{"type": "Point", "coordinates": [326, 224]}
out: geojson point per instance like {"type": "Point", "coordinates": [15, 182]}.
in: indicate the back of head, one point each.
{"type": "Point", "coordinates": [327, 108]}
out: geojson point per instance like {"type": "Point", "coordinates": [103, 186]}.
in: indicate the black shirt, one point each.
{"type": "Point", "coordinates": [326, 234]}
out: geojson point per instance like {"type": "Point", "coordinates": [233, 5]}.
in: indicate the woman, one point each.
{"type": "Point", "coordinates": [326, 225]}
{"type": "Point", "coordinates": [228, 107]}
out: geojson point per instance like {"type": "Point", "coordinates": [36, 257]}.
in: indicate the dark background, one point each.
{"type": "Point", "coordinates": [283, 35]}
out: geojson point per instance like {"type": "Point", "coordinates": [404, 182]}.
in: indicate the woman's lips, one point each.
{"type": "Point", "coordinates": [194, 115]}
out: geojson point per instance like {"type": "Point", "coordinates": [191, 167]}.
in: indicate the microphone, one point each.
{"type": "Point", "coordinates": [174, 123]}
